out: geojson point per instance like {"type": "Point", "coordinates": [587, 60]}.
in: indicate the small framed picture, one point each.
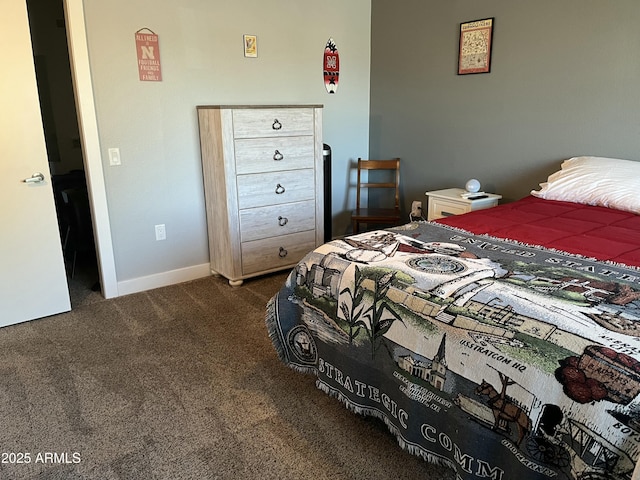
{"type": "Point", "coordinates": [476, 40]}
{"type": "Point", "coordinates": [250, 46]}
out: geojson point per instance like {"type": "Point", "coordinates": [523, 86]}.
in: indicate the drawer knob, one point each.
{"type": "Point", "coordinates": [279, 189]}
{"type": "Point", "coordinates": [283, 252]}
{"type": "Point", "coordinates": [282, 221]}
{"type": "Point", "coordinates": [276, 125]}
{"type": "Point", "coordinates": [277, 156]}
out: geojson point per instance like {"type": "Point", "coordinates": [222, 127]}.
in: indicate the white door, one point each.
{"type": "Point", "coordinates": [33, 282]}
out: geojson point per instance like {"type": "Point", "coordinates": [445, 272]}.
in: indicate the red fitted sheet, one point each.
{"type": "Point", "coordinates": [597, 232]}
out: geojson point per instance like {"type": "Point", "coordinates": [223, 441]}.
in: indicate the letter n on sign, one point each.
{"type": "Point", "coordinates": [148, 53]}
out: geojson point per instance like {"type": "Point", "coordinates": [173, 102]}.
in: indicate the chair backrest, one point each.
{"type": "Point", "coordinates": [392, 179]}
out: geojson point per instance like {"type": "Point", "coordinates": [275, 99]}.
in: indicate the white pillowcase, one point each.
{"type": "Point", "coordinates": [606, 182]}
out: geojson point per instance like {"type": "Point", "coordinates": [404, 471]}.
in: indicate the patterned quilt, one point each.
{"type": "Point", "coordinates": [501, 360]}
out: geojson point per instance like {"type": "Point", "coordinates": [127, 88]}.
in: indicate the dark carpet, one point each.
{"type": "Point", "coordinates": [180, 382]}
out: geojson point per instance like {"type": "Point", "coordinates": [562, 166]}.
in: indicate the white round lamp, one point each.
{"type": "Point", "coordinates": [472, 186]}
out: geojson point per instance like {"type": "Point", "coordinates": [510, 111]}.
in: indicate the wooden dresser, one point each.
{"type": "Point", "coordinates": [262, 168]}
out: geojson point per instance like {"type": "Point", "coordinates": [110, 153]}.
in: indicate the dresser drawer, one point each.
{"type": "Point", "coordinates": [275, 188]}
{"type": "Point", "coordinates": [270, 154]}
{"type": "Point", "coordinates": [276, 252]}
{"type": "Point", "coordinates": [439, 208]}
{"type": "Point", "coordinates": [276, 220]}
{"type": "Point", "coordinates": [270, 122]}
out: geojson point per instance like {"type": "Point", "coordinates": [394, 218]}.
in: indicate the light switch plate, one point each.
{"type": "Point", "coordinates": [114, 156]}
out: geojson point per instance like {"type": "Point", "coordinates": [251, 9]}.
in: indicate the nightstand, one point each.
{"type": "Point", "coordinates": [444, 203]}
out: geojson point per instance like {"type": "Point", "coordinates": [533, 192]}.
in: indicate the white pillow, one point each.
{"type": "Point", "coordinates": [606, 182]}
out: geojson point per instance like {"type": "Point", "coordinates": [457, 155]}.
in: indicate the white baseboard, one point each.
{"type": "Point", "coordinates": [163, 279]}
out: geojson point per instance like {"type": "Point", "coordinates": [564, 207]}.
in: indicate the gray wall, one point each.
{"type": "Point", "coordinates": [155, 124]}
{"type": "Point", "coordinates": [563, 82]}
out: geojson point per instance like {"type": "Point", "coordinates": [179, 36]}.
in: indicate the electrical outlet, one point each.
{"type": "Point", "coordinates": [161, 232]}
{"type": "Point", "coordinates": [416, 208]}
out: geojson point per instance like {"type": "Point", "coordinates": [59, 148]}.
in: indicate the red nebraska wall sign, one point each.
{"type": "Point", "coordinates": [148, 53]}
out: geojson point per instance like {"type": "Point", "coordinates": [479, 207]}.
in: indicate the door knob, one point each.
{"type": "Point", "coordinates": [35, 178]}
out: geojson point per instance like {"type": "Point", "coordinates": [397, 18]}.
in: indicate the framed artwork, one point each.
{"type": "Point", "coordinates": [250, 46]}
{"type": "Point", "coordinates": [476, 41]}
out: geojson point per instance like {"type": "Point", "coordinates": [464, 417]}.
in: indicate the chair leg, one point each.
{"type": "Point", "coordinates": [66, 239]}
{"type": "Point", "coordinates": [73, 265]}
{"type": "Point", "coordinates": [355, 226]}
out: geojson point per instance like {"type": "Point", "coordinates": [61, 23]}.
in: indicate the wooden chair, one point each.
{"type": "Point", "coordinates": [388, 215]}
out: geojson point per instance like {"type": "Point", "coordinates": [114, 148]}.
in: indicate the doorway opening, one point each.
{"type": "Point", "coordinates": [64, 149]}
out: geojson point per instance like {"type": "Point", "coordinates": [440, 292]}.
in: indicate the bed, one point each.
{"type": "Point", "coordinates": [503, 343]}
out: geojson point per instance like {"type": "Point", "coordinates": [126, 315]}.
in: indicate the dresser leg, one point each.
{"type": "Point", "coordinates": [235, 283]}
